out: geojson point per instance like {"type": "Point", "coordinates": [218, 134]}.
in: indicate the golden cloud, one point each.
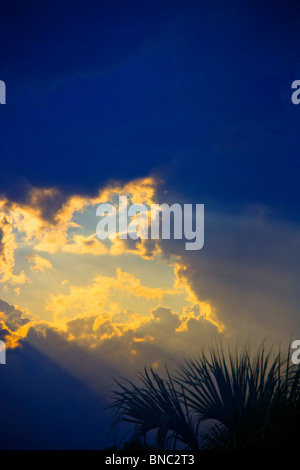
{"type": "Point", "coordinates": [39, 264]}
{"type": "Point", "coordinates": [96, 297]}
{"type": "Point", "coordinates": [46, 216]}
{"type": "Point", "coordinates": [7, 252]}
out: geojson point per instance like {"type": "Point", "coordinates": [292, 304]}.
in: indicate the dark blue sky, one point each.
{"type": "Point", "coordinates": [197, 91]}
{"type": "Point", "coordinates": [43, 407]}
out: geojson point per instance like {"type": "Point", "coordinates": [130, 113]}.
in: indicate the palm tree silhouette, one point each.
{"type": "Point", "coordinates": [224, 400]}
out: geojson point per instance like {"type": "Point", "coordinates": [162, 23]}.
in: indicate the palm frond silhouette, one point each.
{"type": "Point", "coordinates": [243, 401]}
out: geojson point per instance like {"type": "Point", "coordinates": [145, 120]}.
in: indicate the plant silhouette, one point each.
{"type": "Point", "coordinates": [220, 400]}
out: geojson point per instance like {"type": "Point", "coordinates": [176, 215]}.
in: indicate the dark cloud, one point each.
{"type": "Point", "coordinates": [1, 242]}
{"type": "Point", "coordinates": [96, 354]}
{"type": "Point", "coordinates": [13, 317]}
{"type": "Point", "coordinates": [248, 270]}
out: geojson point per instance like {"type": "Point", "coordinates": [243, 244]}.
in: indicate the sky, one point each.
{"type": "Point", "coordinates": [165, 102]}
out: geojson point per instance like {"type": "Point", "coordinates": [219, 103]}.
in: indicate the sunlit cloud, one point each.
{"type": "Point", "coordinates": [89, 299]}
{"type": "Point", "coordinates": [14, 324]}
{"type": "Point", "coordinates": [7, 253]}
{"type": "Point", "coordinates": [197, 307]}
{"type": "Point", "coordinates": [49, 228]}
{"type": "Point", "coordinates": [38, 263]}
{"type": "Point", "coordinates": [88, 294]}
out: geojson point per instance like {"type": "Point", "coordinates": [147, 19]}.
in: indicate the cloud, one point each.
{"type": "Point", "coordinates": [45, 220]}
{"type": "Point", "coordinates": [13, 324]}
{"type": "Point", "coordinates": [240, 283]}
{"type": "Point", "coordinates": [93, 349]}
{"type": "Point", "coordinates": [39, 264]}
{"type": "Point", "coordinates": [13, 317]}
{"type": "Point", "coordinates": [99, 295]}
{"type": "Point", "coordinates": [110, 309]}
{"type": "Point", "coordinates": [7, 252]}
{"type": "Point", "coordinates": [247, 272]}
